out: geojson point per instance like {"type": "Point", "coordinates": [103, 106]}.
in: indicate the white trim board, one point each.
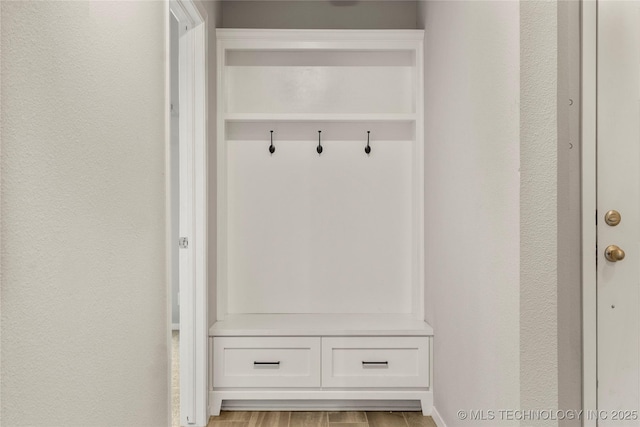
{"type": "Point", "coordinates": [339, 36]}
{"type": "Point", "coordinates": [313, 398]}
{"type": "Point", "coordinates": [193, 212]}
{"type": "Point", "coordinates": [588, 178]}
{"type": "Point", "coordinates": [320, 325]}
{"type": "Point", "coordinates": [437, 418]}
{"type": "Point", "coordinates": [314, 117]}
{"type": "Point", "coordinates": [168, 201]}
{"type": "Point", "coordinates": [321, 405]}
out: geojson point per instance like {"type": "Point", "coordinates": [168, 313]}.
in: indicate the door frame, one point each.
{"type": "Point", "coordinates": [193, 210]}
{"type": "Point", "coordinates": [589, 208]}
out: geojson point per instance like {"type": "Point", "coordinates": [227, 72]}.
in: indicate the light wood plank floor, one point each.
{"type": "Point", "coordinates": [175, 379]}
{"type": "Point", "coordinates": [320, 419]}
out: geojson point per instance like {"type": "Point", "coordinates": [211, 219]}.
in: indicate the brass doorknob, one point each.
{"type": "Point", "coordinates": [614, 253]}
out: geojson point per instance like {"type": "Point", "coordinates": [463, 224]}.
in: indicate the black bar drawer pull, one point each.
{"type": "Point", "coordinates": [266, 363]}
{"type": "Point", "coordinates": [374, 363]}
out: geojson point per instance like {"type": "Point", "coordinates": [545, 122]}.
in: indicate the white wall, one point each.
{"type": "Point", "coordinates": [349, 14]}
{"type": "Point", "coordinates": [492, 230]}
{"type": "Point", "coordinates": [84, 287]}
{"type": "Point", "coordinates": [472, 213]}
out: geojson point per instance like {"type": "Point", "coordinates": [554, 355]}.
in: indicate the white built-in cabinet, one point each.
{"type": "Point", "coordinates": [320, 282]}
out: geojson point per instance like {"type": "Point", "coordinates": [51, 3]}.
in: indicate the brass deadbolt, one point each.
{"type": "Point", "coordinates": [613, 253]}
{"type": "Point", "coordinates": [612, 218]}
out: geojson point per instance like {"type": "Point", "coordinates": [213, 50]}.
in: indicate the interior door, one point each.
{"type": "Point", "coordinates": [192, 258]}
{"type": "Point", "coordinates": [618, 189]}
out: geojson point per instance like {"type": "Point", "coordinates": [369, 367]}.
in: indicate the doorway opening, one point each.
{"type": "Point", "coordinates": [174, 35]}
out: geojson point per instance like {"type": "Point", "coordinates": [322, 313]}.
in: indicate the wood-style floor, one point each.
{"type": "Point", "coordinates": [320, 419]}
{"type": "Point", "coordinates": [175, 379]}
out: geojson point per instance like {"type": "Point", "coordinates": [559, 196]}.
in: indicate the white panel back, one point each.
{"type": "Point", "coordinates": [318, 57]}
{"type": "Point", "coordinates": [349, 89]}
{"type": "Point", "coordinates": [319, 234]}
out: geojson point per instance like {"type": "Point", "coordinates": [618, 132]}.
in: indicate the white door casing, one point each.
{"type": "Point", "coordinates": [588, 126]}
{"type": "Point", "coordinates": [618, 188]}
{"type": "Point", "coordinates": [193, 209]}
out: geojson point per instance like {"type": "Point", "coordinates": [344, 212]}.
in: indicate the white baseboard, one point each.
{"type": "Point", "coordinates": [319, 400]}
{"type": "Point", "coordinates": [437, 418]}
{"type": "Point", "coordinates": [320, 405]}
{"type": "Point", "coordinates": [175, 326]}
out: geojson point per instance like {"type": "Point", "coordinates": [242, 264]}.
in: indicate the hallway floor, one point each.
{"type": "Point", "coordinates": [292, 419]}
{"type": "Point", "coordinates": [175, 378]}
{"type": "Point", "coordinates": [320, 419]}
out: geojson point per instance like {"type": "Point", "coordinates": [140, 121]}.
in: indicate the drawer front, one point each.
{"type": "Point", "coordinates": [375, 362]}
{"type": "Point", "coordinates": [266, 362]}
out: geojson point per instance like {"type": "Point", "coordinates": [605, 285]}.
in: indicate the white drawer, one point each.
{"type": "Point", "coordinates": [375, 362]}
{"type": "Point", "coordinates": [266, 362]}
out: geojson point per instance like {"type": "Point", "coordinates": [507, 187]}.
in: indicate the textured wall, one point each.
{"type": "Point", "coordinates": [347, 14]}
{"type": "Point", "coordinates": [472, 203]}
{"type": "Point", "coordinates": [84, 288]}
{"type": "Point", "coordinates": [538, 206]}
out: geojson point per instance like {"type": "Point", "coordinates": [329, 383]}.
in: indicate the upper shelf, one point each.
{"type": "Point", "coordinates": [318, 117]}
{"type": "Point", "coordinates": [318, 39]}
{"type": "Point", "coordinates": [320, 75]}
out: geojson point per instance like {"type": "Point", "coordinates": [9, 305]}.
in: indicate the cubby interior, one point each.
{"type": "Point", "coordinates": [335, 232]}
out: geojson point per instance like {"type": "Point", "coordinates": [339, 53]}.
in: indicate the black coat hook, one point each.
{"type": "Point", "coordinates": [272, 147]}
{"type": "Point", "coordinates": [319, 148]}
{"type": "Point", "coordinates": [367, 149]}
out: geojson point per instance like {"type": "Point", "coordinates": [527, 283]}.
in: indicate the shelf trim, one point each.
{"type": "Point", "coordinates": [314, 35]}
{"type": "Point", "coordinates": [284, 117]}
{"type": "Point", "coordinates": [320, 325]}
